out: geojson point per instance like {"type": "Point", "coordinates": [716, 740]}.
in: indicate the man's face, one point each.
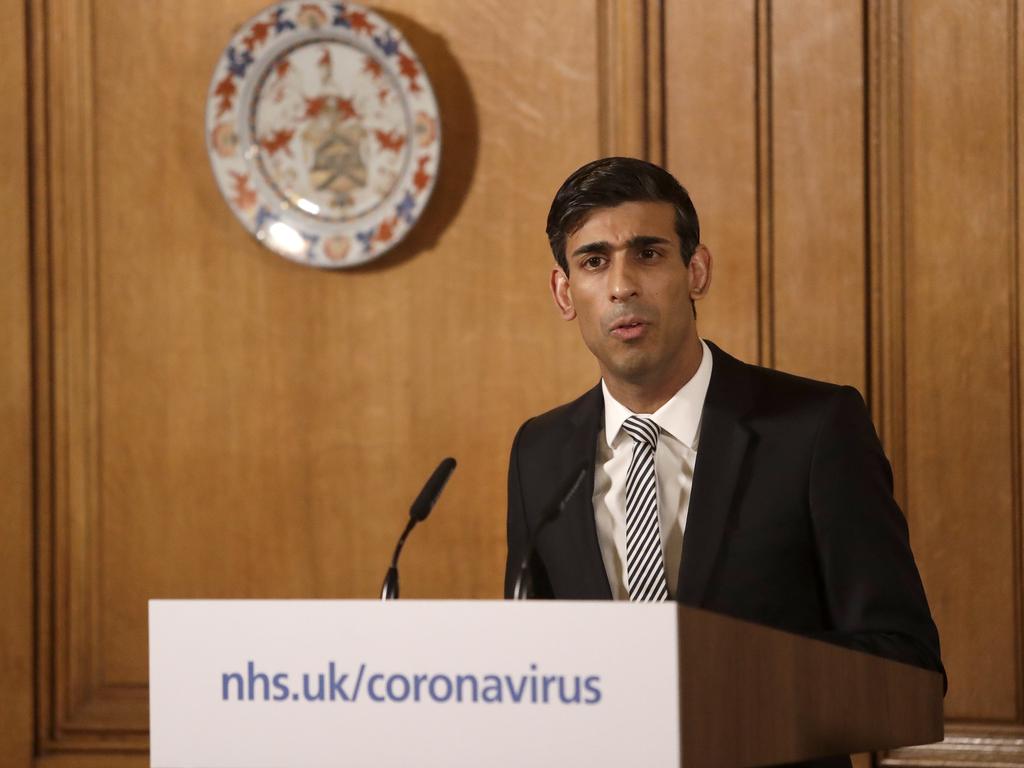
{"type": "Point", "coordinates": [631, 292]}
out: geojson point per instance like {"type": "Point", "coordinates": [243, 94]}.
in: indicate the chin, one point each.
{"type": "Point", "coordinates": [633, 371]}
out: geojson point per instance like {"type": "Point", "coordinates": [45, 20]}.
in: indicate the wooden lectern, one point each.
{"type": "Point", "coordinates": [261, 683]}
{"type": "Point", "coordinates": [752, 695]}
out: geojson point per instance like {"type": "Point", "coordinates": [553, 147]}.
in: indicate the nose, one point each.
{"type": "Point", "coordinates": [622, 282]}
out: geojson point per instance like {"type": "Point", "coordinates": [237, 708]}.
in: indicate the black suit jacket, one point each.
{"type": "Point", "coordinates": [791, 523]}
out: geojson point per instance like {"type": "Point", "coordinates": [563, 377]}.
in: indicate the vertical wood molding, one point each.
{"type": "Point", "coordinates": [16, 628]}
{"type": "Point", "coordinates": [77, 711]}
{"type": "Point", "coordinates": [1016, 29]}
{"type": "Point", "coordinates": [763, 147]}
{"type": "Point", "coordinates": [886, 234]}
{"type": "Point", "coordinates": [631, 67]}
{"type": "Point", "coordinates": [43, 368]}
{"type": "Point", "coordinates": [657, 151]}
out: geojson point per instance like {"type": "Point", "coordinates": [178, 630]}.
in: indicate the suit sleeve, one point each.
{"type": "Point", "coordinates": [873, 590]}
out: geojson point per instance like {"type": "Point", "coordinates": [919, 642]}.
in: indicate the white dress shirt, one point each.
{"type": "Point", "coordinates": [679, 422]}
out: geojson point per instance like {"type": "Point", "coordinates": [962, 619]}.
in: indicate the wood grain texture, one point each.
{"type": "Point", "coordinates": [212, 421]}
{"type": "Point", "coordinates": [710, 83]}
{"type": "Point", "coordinates": [85, 760]}
{"type": "Point", "coordinates": [623, 62]}
{"type": "Point", "coordinates": [73, 698]}
{"type": "Point", "coordinates": [817, 192]}
{"type": "Point", "coordinates": [764, 165]}
{"type": "Point", "coordinates": [792, 698]}
{"type": "Point", "coordinates": [987, 729]}
{"type": "Point", "coordinates": [910, 101]}
{"type": "Point", "coordinates": [960, 286]}
{"type": "Point", "coordinates": [42, 384]}
{"type": "Point", "coordinates": [227, 424]}
{"type": "Point", "coordinates": [886, 227]}
{"type": "Point", "coordinates": [16, 626]}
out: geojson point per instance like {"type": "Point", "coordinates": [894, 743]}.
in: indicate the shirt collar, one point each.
{"type": "Point", "coordinates": [679, 417]}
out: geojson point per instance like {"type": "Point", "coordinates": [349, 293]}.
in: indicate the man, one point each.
{"type": "Point", "coordinates": [709, 481]}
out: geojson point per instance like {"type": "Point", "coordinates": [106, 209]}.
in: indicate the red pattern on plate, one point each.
{"type": "Point", "coordinates": [323, 132]}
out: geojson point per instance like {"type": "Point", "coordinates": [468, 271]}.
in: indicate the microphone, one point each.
{"type": "Point", "coordinates": [524, 582]}
{"type": "Point", "coordinates": [417, 514]}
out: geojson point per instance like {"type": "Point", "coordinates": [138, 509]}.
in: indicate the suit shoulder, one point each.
{"type": "Point", "coordinates": [780, 393]}
{"type": "Point", "coordinates": [781, 383]}
{"type": "Point", "coordinates": [740, 380]}
{"type": "Point", "coordinates": [567, 416]}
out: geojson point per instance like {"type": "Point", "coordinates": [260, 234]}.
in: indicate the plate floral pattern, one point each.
{"type": "Point", "coordinates": [323, 132]}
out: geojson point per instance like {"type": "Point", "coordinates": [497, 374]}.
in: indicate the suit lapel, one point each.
{"type": "Point", "coordinates": [578, 518]}
{"type": "Point", "coordinates": [724, 440]}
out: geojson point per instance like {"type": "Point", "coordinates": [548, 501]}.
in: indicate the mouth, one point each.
{"type": "Point", "coordinates": [628, 328]}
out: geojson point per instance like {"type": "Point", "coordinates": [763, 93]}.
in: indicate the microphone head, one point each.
{"type": "Point", "coordinates": [428, 496]}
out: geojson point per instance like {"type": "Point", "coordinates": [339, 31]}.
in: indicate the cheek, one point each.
{"type": "Point", "coordinates": [674, 313]}
{"type": "Point", "coordinates": [590, 325]}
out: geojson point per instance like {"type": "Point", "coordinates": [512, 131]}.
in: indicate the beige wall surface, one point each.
{"type": "Point", "coordinates": [193, 416]}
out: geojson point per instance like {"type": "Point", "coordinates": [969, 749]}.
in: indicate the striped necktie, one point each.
{"type": "Point", "coordinates": [645, 564]}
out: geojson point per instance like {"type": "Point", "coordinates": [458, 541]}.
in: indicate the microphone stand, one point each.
{"type": "Point", "coordinates": [389, 591]}
{"type": "Point", "coordinates": [417, 513]}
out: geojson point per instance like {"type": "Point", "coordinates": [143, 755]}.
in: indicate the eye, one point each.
{"type": "Point", "coordinates": [649, 253]}
{"type": "Point", "coordinates": [593, 262]}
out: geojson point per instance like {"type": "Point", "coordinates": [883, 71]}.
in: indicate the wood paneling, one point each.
{"type": "Point", "coordinates": [946, 166]}
{"type": "Point", "coordinates": [886, 233]}
{"type": "Point", "coordinates": [888, 258]}
{"type": "Point", "coordinates": [212, 421]}
{"type": "Point", "coordinates": [817, 192]}
{"type": "Point", "coordinates": [227, 424]}
{"type": "Point", "coordinates": [772, 152]}
{"type": "Point", "coordinates": [960, 290]}
{"type": "Point", "coordinates": [710, 117]}
{"type": "Point", "coordinates": [16, 652]}
{"type": "Point", "coordinates": [631, 70]}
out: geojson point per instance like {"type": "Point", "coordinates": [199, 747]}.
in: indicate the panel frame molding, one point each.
{"type": "Point", "coordinates": [966, 744]}
{"type": "Point", "coordinates": [765, 182]}
{"type": "Point", "coordinates": [631, 77]}
{"type": "Point", "coordinates": [77, 710]}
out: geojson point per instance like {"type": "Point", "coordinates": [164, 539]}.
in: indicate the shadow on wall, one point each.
{"type": "Point", "coordinates": [460, 143]}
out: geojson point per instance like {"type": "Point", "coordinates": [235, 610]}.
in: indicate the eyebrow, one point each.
{"type": "Point", "coordinates": [634, 243]}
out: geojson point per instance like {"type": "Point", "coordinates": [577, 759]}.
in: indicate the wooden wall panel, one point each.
{"type": "Point", "coordinates": [888, 259]}
{"type": "Point", "coordinates": [946, 152]}
{"type": "Point", "coordinates": [765, 145]}
{"type": "Point", "coordinates": [212, 421]}
{"type": "Point", "coordinates": [228, 424]}
{"type": "Point", "coordinates": [960, 292]}
{"type": "Point", "coordinates": [710, 140]}
{"type": "Point", "coordinates": [817, 194]}
{"type": "Point", "coordinates": [16, 650]}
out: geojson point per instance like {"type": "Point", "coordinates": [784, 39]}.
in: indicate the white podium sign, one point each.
{"type": "Point", "coordinates": [311, 683]}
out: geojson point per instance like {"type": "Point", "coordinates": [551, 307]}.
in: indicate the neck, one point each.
{"type": "Point", "coordinates": [647, 396]}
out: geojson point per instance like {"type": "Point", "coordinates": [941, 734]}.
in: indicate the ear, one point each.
{"type": "Point", "coordinates": [561, 294]}
{"type": "Point", "coordinates": [700, 273]}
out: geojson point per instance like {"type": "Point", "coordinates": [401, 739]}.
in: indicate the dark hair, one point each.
{"type": "Point", "coordinates": [609, 182]}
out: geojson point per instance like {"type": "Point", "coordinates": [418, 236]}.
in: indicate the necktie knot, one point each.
{"type": "Point", "coordinates": [643, 430]}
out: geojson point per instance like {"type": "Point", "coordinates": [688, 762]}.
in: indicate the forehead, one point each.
{"type": "Point", "coordinates": [618, 224]}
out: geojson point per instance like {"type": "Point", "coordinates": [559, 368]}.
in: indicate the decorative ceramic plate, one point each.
{"type": "Point", "coordinates": [323, 132]}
